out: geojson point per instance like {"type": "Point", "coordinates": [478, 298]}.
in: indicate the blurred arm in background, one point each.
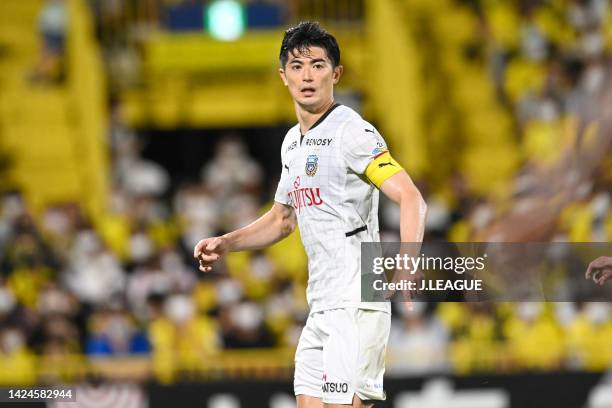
{"type": "Point", "coordinates": [600, 270]}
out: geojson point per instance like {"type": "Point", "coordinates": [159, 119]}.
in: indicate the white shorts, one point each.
{"type": "Point", "coordinates": [341, 352]}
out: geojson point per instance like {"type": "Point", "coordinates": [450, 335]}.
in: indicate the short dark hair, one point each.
{"type": "Point", "coordinates": [307, 34]}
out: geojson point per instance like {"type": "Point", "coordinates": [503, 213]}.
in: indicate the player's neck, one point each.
{"type": "Point", "coordinates": [307, 118]}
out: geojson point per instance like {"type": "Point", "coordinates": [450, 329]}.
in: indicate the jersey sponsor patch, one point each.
{"type": "Point", "coordinates": [319, 142]}
{"type": "Point", "coordinates": [305, 197]}
{"type": "Point", "coordinates": [335, 387]}
{"type": "Point", "coordinates": [380, 148]}
{"type": "Point", "coordinates": [312, 165]}
{"type": "Point", "coordinates": [372, 384]}
{"type": "Point", "coordinates": [340, 387]}
{"type": "Point", "coordinates": [292, 146]}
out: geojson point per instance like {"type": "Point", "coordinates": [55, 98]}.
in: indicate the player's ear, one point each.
{"type": "Point", "coordinates": [338, 73]}
{"type": "Point", "coordinates": [281, 72]}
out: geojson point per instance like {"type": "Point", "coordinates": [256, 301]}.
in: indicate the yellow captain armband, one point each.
{"type": "Point", "coordinates": [381, 168]}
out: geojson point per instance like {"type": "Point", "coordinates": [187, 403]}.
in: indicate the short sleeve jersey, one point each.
{"type": "Point", "coordinates": [336, 206]}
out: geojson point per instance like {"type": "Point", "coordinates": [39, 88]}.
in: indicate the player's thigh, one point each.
{"type": "Point", "coordinates": [373, 338]}
{"type": "Point", "coordinates": [308, 377]}
{"type": "Point", "coordinates": [354, 356]}
{"type": "Point", "coordinates": [340, 356]}
{"type": "Point", "coordinates": [307, 401]}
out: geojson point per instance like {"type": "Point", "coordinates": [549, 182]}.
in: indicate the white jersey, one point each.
{"type": "Point", "coordinates": [336, 206]}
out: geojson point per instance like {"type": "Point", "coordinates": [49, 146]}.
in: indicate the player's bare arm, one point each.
{"type": "Point", "coordinates": [400, 189]}
{"type": "Point", "coordinates": [270, 228]}
{"type": "Point", "coordinates": [600, 270]}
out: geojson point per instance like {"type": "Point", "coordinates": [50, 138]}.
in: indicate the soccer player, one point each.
{"type": "Point", "coordinates": [333, 164]}
{"type": "Point", "coordinates": [600, 269]}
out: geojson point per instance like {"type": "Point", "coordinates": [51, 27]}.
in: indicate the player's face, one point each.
{"type": "Point", "coordinates": [310, 78]}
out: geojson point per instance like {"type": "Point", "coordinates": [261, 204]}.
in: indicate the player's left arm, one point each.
{"type": "Point", "coordinates": [387, 174]}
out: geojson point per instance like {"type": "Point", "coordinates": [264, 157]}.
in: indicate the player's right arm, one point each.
{"type": "Point", "coordinates": [270, 228]}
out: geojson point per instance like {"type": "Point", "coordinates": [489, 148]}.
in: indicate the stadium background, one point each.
{"type": "Point", "coordinates": [129, 130]}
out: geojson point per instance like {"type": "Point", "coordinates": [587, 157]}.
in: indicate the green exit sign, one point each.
{"type": "Point", "coordinates": [225, 20]}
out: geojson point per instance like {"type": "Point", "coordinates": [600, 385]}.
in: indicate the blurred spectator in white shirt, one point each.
{"type": "Point", "coordinates": [417, 343]}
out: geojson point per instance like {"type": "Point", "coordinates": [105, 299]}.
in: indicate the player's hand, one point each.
{"type": "Point", "coordinates": [600, 270]}
{"type": "Point", "coordinates": [407, 296]}
{"type": "Point", "coordinates": [210, 250]}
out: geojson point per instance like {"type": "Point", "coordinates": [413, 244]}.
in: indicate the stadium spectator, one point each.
{"type": "Point", "coordinates": [137, 175]}
{"type": "Point", "coordinates": [588, 337]}
{"type": "Point", "coordinates": [534, 339]}
{"type": "Point", "coordinates": [242, 326]}
{"type": "Point", "coordinates": [114, 333]}
{"type": "Point", "coordinates": [418, 343]}
{"type": "Point", "coordinates": [181, 338]}
{"type": "Point", "coordinates": [17, 362]}
{"type": "Point", "coordinates": [231, 170]}
{"type": "Point", "coordinates": [93, 273]}
{"type": "Point", "coordinates": [199, 213]}
{"type": "Point", "coordinates": [473, 348]}
{"type": "Point", "coordinates": [52, 24]}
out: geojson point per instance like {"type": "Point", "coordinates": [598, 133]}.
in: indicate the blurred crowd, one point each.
{"type": "Point", "coordinates": [550, 61]}
{"type": "Point", "coordinates": [126, 284]}
{"type": "Point", "coordinates": [505, 337]}
{"type": "Point", "coordinates": [519, 92]}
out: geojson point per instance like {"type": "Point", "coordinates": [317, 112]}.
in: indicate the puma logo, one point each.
{"type": "Point", "coordinates": [381, 165]}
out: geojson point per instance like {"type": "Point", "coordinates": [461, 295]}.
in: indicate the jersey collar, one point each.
{"type": "Point", "coordinates": [322, 118]}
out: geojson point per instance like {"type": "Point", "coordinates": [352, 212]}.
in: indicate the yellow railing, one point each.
{"type": "Point", "coordinates": [464, 356]}
{"type": "Point", "coordinates": [24, 368]}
